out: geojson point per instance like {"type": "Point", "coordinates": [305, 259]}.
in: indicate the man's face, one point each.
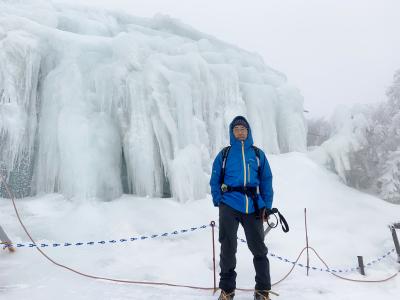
{"type": "Point", "coordinates": [240, 132]}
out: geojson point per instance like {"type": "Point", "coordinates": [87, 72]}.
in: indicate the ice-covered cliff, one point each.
{"type": "Point", "coordinates": [96, 103]}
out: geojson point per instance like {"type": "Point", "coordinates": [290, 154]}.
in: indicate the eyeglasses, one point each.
{"type": "Point", "coordinates": [240, 128]}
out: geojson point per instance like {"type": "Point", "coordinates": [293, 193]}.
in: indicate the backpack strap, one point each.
{"type": "Point", "coordinates": [257, 151]}
{"type": "Point", "coordinates": [225, 153]}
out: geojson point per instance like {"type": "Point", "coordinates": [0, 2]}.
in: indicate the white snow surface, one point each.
{"type": "Point", "coordinates": [342, 223]}
{"type": "Point", "coordinates": [79, 86]}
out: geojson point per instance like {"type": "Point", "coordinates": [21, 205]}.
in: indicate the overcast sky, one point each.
{"type": "Point", "coordinates": [334, 51]}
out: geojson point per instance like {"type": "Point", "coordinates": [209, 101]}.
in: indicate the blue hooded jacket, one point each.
{"type": "Point", "coordinates": [241, 169]}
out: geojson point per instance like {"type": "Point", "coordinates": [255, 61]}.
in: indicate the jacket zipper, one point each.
{"type": "Point", "coordinates": [248, 172]}
{"type": "Point", "coordinates": [244, 177]}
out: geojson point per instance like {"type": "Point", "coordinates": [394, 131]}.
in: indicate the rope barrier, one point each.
{"type": "Point", "coordinates": [353, 280]}
{"type": "Point", "coordinates": [182, 231]}
{"type": "Point", "coordinates": [340, 277]}
{"type": "Point", "coordinates": [375, 261]}
{"type": "Point", "coordinates": [10, 194]}
{"type": "Point", "coordinates": [114, 241]}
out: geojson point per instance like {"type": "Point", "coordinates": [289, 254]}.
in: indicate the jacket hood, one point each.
{"type": "Point", "coordinates": [248, 142]}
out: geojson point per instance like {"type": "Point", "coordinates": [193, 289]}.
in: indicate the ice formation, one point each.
{"type": "Point", "coordinates": [100, 103]}
{"type": "Point", "coordinates": [349, 128]}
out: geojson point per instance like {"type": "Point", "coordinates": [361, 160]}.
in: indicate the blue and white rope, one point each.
{"type": "Point", "coordinates": [123, 240]}
{"type": "Point", "coordinates": [183, 231]}
{"type": "Point", "coordinates": [375, 261]}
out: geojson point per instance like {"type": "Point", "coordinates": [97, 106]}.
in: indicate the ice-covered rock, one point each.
{"type": "Point", "coordinates": [349, 128]}
{"type": "Point", "coordinates": [102, 103]}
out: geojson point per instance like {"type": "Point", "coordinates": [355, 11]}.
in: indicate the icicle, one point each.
{"type": "Point", "coordinates": [120, 99]}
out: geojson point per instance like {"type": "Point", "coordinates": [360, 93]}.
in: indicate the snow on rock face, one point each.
{"type": "Point", "coordinates": [349, 136]}
{"type": "Point", "coordinates": [91, 97]}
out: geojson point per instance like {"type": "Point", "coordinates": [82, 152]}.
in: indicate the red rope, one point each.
{"type": "Point", "coordinates": [348, 279]}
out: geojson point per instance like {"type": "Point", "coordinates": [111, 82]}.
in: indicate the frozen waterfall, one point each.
{"type": "Point", "coordinates": [96, 103]}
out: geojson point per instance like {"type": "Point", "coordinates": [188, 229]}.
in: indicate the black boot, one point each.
{"type": "Point", "coordinates": [226, 296]}
{"type": "Point", "coordinates": [261, 295]}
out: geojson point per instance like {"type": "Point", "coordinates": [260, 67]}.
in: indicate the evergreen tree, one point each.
{"type": "Point", "coordinates": [376, 166]}
{"type": "Point", "coordinates": [389, 182]}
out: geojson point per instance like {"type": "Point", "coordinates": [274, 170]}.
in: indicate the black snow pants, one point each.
{"type": "Point", "coordinates": [229, 220]}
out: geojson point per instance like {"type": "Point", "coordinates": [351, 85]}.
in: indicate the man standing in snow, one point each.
{"type": "Point", "coordinates": [5, 240]}
{"type": "Point", "coordinates": [241, 186]}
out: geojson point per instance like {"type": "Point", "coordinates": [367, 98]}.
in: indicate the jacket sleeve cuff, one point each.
{"type": "Point", "coordinates": [216, 202]}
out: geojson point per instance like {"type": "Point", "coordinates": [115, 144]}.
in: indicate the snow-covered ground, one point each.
{"type": "Point", "coordinates": [343, 223]}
